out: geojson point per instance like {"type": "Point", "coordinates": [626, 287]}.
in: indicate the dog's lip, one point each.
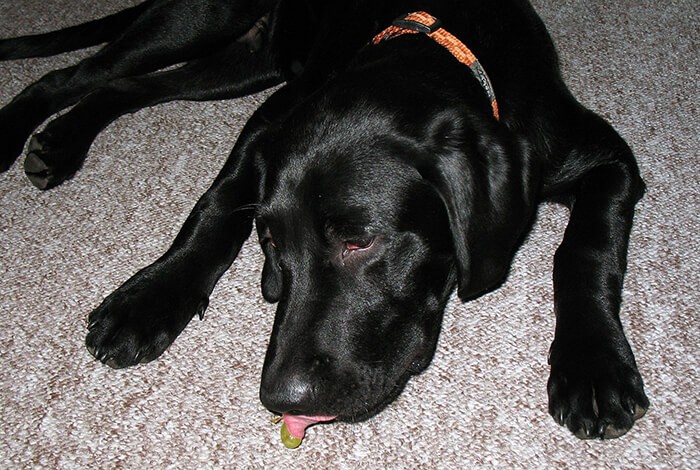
{"type": "Point", "coordinates": [297, 424]}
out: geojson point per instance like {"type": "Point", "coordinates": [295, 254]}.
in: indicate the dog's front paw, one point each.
{"type": "Point", "coordinates": [138, 321]}
{"type": "Point", "coordinates": [595, 394]}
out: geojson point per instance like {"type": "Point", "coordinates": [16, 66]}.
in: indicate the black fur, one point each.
{"type": "Point", "coordinates": [379, 181]}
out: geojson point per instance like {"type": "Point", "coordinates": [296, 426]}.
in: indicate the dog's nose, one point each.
{"type": "Point", "coordinates": [296, 389]}
{"type": "Point", "coordinates": [288, 393]}
{"type": "Point", "coordinates": [293, 393]}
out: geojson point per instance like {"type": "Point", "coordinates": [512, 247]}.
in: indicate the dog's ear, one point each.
{"type": "Point", "coordinates": [271, 278]}
{"type": "Point", "coordinates": [486, 189]}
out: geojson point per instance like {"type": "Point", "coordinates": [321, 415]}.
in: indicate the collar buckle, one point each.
{"type": "Point", "coordinates": [417, 26]}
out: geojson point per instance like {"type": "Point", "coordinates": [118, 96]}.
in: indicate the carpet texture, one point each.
{"type": "Point", "coordinates": [482, 403]}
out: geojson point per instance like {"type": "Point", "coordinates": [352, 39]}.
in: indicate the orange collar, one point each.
{"type": "Point", "coordinates": [422, 22]}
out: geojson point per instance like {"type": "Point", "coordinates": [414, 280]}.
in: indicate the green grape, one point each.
{"type": "Point", "coordinates": [289, 441]}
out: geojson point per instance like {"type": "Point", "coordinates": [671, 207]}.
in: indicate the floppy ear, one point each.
{"type": "Point", "coordinates": [486, 189]}
{"type": "Point", "coordinates": [271, 279]}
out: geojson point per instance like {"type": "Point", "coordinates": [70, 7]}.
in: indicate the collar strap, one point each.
{"type": "Point", "coordinates": [422, 22]}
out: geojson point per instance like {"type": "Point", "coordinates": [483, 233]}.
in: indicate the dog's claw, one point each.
{"type": "Point", "coordinates": [90, 325]}
{"type": "Point", "coordinates": [102, 357]}
{"type": "Point", "coordinates": [201, 308]}
{"type": "Point", "coordinates": [639, 411]}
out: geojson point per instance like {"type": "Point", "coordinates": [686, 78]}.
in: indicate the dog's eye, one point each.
{"type": "Point", "coordinates": [352, 246]}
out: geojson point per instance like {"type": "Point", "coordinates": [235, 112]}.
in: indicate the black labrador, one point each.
{"type": "Point", "coordinates": [403, 156]}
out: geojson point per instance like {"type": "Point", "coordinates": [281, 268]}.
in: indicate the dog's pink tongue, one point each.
{"type": "Point", "coordinates": [297, 424]}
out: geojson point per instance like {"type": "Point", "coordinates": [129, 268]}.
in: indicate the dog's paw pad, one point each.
{"type": "Point", "coordinates": [37, 171]}
{"type": "Point", "coordinates": [46, 166]}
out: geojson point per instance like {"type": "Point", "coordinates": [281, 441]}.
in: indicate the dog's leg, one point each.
{"type": "Point", "coordinates": [595, 388]}
{"type": "Point", "coordinates": [138, 321]}
{"type": "Point", "coordinates": [72, 38]}
{"type": "Point", "coordinates": [56, 153]}
{"type": "Point", "coordinates": [168, 32]}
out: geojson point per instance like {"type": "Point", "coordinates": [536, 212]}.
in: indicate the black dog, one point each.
{"type": "Point", "coordinates": [389, 168]}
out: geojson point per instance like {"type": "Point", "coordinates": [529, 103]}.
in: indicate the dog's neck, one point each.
{"type": "Point", "coordinates": [422, 22]}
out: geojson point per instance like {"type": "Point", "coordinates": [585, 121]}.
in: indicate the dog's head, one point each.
{"type": "Point", "coordinates": [368, 218]}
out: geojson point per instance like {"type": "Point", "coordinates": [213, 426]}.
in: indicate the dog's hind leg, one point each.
{"type": "Point", "coordinates": [57, 152]}
{"type": "Point", "coordinates": [595, 388]}
{"type": "Point", "coordinates": [168, 32]}
{"type": "Point", "coordinates": [71, 38]}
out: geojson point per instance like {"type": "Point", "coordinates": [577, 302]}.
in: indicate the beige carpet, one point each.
{"type": "Point", "coordinates": [482, 404]}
